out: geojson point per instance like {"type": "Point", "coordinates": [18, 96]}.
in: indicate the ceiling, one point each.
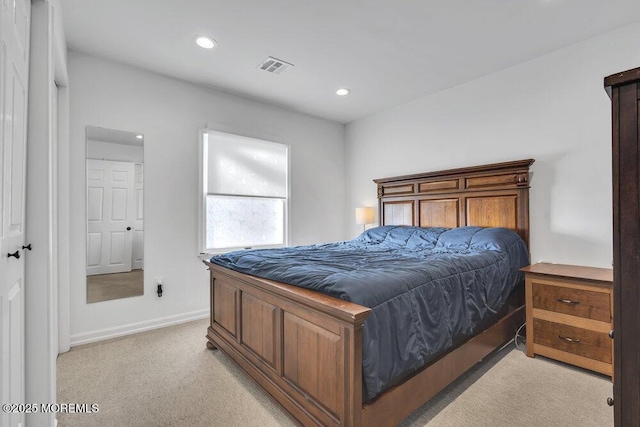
{"type": "Point", "coordinates": [387, 52]}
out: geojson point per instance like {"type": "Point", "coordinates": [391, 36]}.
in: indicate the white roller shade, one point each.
{"type": "Point", "coordinates": [245, 167]}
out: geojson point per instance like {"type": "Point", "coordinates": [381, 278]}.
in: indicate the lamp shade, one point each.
{"type": "Point", "coordinates": [364, 215]}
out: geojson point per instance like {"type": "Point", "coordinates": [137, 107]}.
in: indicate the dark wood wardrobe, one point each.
{"type": "Point", "coordinates": [624, 90]}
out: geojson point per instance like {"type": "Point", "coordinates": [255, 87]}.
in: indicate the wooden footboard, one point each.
{"type": "Point", "coordinates": [305, 349]}
{"type": "Point", "coordinates": [302, 347]}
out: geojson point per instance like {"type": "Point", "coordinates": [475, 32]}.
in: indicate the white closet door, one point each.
{"type": "Point", "coordinates": [110, 213]}
{"type": "Point", "coordinates": [14, 79]}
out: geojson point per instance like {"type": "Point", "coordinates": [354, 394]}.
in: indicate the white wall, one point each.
{"type": "Point", "coordinates": [553, 109]}
{"type": "Point", "coordinates": [116, 152]}
{"type": "Point", "coordinates": [169, 113]}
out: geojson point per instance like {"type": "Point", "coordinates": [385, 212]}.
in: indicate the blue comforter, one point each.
{"type": "Point", "coordinates": [428, 288]}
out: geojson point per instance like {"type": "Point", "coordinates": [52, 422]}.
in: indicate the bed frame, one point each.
{"type": "Point", "coordinates": [305, 348]}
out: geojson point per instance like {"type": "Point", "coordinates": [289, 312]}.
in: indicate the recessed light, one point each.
{"type": "Point", "coordinates": [205, 42]}
{"type": "Point", "coordinates": [139, 136]}
{"type": "Point", "coordinates": [343, 92]}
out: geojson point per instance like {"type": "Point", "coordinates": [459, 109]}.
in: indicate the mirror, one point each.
{"type": "Point", "coordinates": [115, 227]}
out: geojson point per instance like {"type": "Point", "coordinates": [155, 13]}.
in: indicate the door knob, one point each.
{"type": "Point", "coordinates": [16, 255]}
{"type": "Point", "coordinates": [611, 334]}
{"type": "Point", "coordinates": [27, 247]}
{"type": "Point", "coordinates": [128, 228]}
{"type": "Point", "coordinates": [609, 401]}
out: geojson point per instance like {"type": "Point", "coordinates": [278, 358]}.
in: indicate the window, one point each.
{"type": "Point", "coordinates": [244, 194]}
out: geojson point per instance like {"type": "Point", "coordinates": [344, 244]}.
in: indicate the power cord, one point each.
{"type": "Point", "coordinates": [524, 339]}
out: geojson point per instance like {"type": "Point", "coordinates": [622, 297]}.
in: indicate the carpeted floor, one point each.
{"type": "Point", "coordinates": [167, 377]}
{"type": "Point", "coordinates": [105, 287]}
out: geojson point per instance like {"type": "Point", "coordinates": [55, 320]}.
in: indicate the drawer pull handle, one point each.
{"type": "Point", "coordinates": [567, 301]}
{"type": "Point", "coordinates": [575, 340]}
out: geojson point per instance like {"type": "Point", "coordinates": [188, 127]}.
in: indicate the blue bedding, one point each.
{"type": "Point", "coordinates": [428, 288]}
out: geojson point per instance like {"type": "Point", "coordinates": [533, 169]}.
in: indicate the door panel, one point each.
{"type": "Point", "coordinates": [94, 250]}
{"type": "Point", "coordinates": [20, 27]}
{"type": "Point", "coordinates": [14, 77]}
{"type": "Point", "coordinates": [16, 342]}
{"type": "Point", "coordinates": [118, 248]}
{"type": "Point", "coordinates": [95, 196]}
{"type": "Point", "coordinates": [3, 120]}
{"type": "Point", "coordinates": [119, 204]}
{"type": "Point", "coordinates": [17, 107]}
{"type": "Point", "coordinates": [95, 175]}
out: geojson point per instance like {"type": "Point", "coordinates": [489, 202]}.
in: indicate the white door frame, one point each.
{"type": "Point", "coordinates": [137, 253]}
{"type": "Point", "coordinates": [41, 346]}
{"type": "Point", "coordinates": [64, 289]}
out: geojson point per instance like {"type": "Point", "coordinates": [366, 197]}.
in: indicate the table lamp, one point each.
{"type": "Point", "coordinates": [364, 216]}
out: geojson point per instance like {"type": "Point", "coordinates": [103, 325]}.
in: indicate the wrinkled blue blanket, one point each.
{"type": "Point", "coordinates": [428, 288]}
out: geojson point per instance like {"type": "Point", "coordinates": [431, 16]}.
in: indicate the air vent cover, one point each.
{"type": "Point", "coordinates": [274, 65]}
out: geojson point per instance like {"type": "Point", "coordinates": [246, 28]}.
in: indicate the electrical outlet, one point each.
{"type": "Point", "coordinates": [159, 290]}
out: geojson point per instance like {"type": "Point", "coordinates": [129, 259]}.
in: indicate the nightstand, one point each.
{"type": "Point", "coordinates": [570, 314]}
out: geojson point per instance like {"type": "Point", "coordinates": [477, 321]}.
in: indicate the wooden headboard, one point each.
{"type": "Point", "coordinates": [495, 195]}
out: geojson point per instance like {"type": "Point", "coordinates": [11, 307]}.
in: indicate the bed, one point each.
{"type": "Point", "coordinates": [305, 346]}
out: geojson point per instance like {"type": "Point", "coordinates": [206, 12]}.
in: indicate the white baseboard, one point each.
{"type": "Point", "coordinates": [134, 328]}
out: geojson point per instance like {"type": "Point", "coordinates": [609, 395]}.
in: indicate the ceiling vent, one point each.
{"type": "Point", "coordinates": [275, 66]}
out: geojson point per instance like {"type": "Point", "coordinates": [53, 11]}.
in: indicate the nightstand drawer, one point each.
{"type": "Point", "coordinates": [570, 339]}
{"type": "Point", "coordinates": [575, 302]}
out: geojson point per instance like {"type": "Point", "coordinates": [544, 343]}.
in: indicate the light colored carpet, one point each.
{"type": "Point", "coordinates": [105, 287]}
{"type": "Point", "coordinates": [167, 377]}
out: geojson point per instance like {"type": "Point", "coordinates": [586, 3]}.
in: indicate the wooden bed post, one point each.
{"type": "Point", "coordinates": [353, 375]}
{"type": "Point", "coordinates": [212, 281]}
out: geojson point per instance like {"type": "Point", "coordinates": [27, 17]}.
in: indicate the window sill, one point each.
{"type": "Point", "coordinates": [207, 255]}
